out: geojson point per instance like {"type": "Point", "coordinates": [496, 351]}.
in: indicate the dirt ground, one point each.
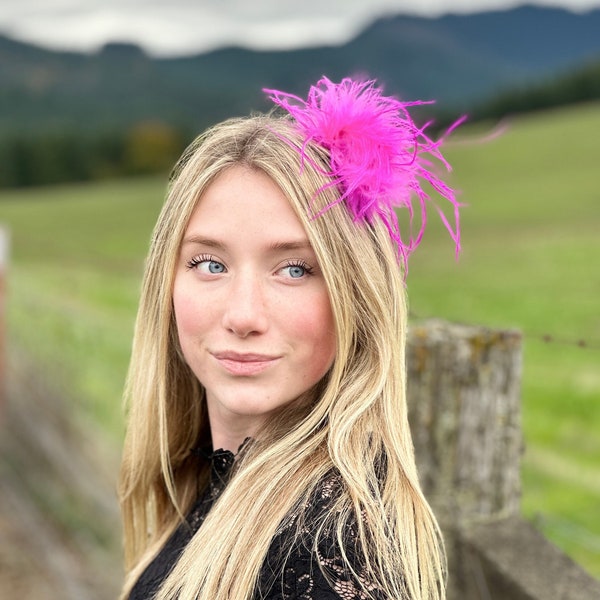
{"type": "Point", "coordinates": [59, 523]}
{"type": "Point", "coordinates": [23, 572]}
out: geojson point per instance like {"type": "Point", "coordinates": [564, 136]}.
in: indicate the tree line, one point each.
{"type": "Point", "coordinates": [59, 155]}
{"type": "Point", "coordinates": [579, 85]}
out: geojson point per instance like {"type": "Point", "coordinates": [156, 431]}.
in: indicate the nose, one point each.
{"type": "Point", "coordinates": [245, 311]}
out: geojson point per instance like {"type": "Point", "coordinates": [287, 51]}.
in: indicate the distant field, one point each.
{"type": "Point", "coordinates": [531, 239]}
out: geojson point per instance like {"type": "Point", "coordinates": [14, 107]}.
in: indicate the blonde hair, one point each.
{"type": "Point", "coordinates": [356, 425]}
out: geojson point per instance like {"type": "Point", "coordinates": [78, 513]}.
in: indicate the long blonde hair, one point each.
{"type": "Point", "coordinates": [356, 424]}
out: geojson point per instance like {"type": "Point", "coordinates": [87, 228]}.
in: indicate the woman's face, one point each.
{"type": "Point", "coordinates": [252, 309]}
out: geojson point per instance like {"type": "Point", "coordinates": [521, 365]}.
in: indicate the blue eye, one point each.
{"type": "Point", "coordinates": [215, 267]}
{"type": "Point", "coordinates": [206, 264]}
{"type": "Point", "coordinates": [296, 271]}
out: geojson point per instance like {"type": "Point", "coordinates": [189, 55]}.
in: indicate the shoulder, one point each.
{"type": "Point", "coordinates": [309, 560]}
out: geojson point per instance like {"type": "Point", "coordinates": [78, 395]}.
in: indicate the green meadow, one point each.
{"type": "Point", "coordinates": [531, 248]}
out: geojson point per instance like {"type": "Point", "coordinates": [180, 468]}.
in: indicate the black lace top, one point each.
{"type": "Point", "coordinates": [285, 575]}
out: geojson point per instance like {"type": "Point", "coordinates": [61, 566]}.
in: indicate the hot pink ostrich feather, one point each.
{"type": "Point", "coordinates": [379, 156]}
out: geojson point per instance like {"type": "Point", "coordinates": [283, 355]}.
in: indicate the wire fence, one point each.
{"type": "Point", "coordinates": [545, 338]}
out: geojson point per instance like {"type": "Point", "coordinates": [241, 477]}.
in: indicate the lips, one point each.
{"type": "Point", "coordinates": [244, 364]}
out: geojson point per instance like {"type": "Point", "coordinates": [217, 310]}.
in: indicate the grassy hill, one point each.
{"type": "Point", "coordinates": [531, 247]}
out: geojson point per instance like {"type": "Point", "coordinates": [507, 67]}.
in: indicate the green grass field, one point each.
{"type": "Point", "coordinates": [531, 244]}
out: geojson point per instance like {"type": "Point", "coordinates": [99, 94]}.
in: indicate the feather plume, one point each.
{"type": "Point", "coordinates": [379, 156]}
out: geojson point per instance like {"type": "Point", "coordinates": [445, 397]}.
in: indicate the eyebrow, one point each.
{"type": "Point", "coordinates": [203, 241]}
{"type": "Point", "coordinates": [292, 245]}
{"type": "Point", "coordinates": [301, 244]}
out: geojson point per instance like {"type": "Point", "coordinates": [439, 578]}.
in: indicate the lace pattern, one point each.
{"type": "Point", "coordinates": [293, 567]}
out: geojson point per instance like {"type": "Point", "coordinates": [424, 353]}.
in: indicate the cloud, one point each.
{"type": "Point", "coordinates": [185, 26]}
{"type": "Point", "coordinates": [168, 30]}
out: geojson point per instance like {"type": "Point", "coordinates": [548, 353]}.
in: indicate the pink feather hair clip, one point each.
{"type": "Point", "coordinates": [379, 157]}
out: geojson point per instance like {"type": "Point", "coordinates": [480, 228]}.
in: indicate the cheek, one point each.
{"type": "Point", "coordinates": [189, 316]}
{"type": "Point", "coordinates": [314, 325]}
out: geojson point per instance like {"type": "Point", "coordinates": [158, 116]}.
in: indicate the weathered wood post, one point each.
{"type": "Point", "coordinates": [4, 251]}
{"type": "Point", "coordinates": [464, 408]}
{"type": "Point", "coordinates": [465, 411]}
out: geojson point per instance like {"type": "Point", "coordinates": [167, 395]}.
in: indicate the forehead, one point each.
{"type": "Point", "coordinates": [240, 202]}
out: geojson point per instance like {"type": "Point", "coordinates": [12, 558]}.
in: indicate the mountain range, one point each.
{"type": "Point", "coordinates": [459, 60]}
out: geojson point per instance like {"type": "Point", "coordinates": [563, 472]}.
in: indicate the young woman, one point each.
{"type": "Point", "coordinates": [268, 453]}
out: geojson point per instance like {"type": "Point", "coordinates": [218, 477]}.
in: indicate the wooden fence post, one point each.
{"type": "Point", "coordinates": [464, 408]}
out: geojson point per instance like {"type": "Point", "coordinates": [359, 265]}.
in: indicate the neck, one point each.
{"type": "Point", "coordinates": [231, 434]}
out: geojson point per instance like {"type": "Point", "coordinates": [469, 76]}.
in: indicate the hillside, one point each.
{"type": "Point", "coordinates": [457, 59]}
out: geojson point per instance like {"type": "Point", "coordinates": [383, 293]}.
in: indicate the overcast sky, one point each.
{"type": "Point", "coordinates": [175, 27]}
